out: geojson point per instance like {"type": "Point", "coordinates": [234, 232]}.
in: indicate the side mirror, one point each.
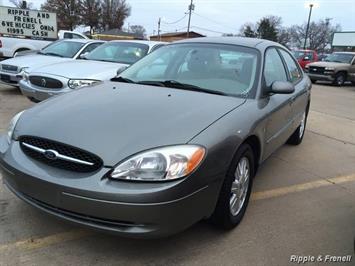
{"type": "Point", "coordinates": [282, 87]}
{"type": "Point", "coordinates": [120, 70]}
{"type": "Point", "coordinates": [306, 58]}
{"type": "Point", "coordinates": [83, 56]}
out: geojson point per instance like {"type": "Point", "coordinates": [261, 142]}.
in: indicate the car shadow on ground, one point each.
{"type": "Point", "coordinates": [9, 90]}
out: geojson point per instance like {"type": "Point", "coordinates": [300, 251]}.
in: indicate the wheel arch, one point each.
{"type": "Point", "coordinates": [255, 144]}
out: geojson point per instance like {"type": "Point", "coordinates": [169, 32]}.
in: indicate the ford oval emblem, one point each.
{"type": "Point", "coordinates": [50, 154]}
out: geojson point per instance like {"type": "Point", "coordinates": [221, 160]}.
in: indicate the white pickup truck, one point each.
{"type": "Point", "coordinates": [9, 45]}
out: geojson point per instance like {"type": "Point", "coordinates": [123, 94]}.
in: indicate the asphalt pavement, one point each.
{"type": "Point", "coordinates": [302, 205]}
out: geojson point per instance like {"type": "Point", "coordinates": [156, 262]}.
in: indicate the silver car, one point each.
{"type": "Point", "coordinates": [174, 139]}
{"type": "Point", "coordinates": [11, 70]}
{"type": "Point", "coordinates": [99, 65]}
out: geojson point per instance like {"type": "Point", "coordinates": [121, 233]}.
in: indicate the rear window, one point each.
{"type": "Point", "coordinates": [119, 52]}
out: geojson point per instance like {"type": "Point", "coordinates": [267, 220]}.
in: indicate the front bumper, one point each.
{"type": "Point", "coordinates": [10, 78]}
{"type": "Point", "coordinates": [320, 77]}
{"type": "Point", "coordinates": [39, 94]}
{"type": "Point", "coordinates": [146, 210]}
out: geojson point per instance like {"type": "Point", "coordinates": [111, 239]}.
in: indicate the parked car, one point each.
{"type": "Point", "coordinates": [10, 45]}
{"type": "Point", "coordinates": [305, 57]}
{"type": "Point", "coordinates": [151, 153]}
{"type": "Point", "coordinates": [99, 65]}
{"type": "Point", "coordinates": [11, 70]}
{"type": "Point", "coordinates": [337, 68]}
{"type": "Point", "coordinates": [322, 57]}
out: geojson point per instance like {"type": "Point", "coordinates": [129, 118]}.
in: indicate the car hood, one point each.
{"type": "Point", "coordinates": [328, 64]}
{"type": "Point", "coordinates": [116, 120]}
{"type": "Point", "coordinates": [34, 61]}
{"type": "Point", "coordinates": [81, 69]}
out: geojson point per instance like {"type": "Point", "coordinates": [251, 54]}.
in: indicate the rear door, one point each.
{"type": "Point", "coordinates": [299, 99]}
{"type": "Point", "coordinates": [278, 105]}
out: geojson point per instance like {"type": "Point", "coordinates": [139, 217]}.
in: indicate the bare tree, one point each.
{"type": "Point", "coordinates": [284, 37]}
{"type": "Point", "coordinates": [22, 4]}
{"type": "Point", "coordinates": [90, 13]}
{"type": "Point", "coordinates": [319, 34]}
{"type": "Point", "coordinates": [138, 30]}
{"type": "Point", "coordinates": [114, 13]}
{"type": "Point", "coordinates": [248, 30]}
{"type": "Point", "coordinates": [68, 12]}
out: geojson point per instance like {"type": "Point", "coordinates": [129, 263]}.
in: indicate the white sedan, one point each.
{"type": "Point", "coordinates": [11, 70]}
{"type": "Point", "coordinates": [99, 65]}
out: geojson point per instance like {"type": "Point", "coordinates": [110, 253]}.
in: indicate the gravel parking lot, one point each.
{"type": "Point", "coordinates": [302, 204]}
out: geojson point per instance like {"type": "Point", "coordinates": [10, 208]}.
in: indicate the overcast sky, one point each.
{"type": "Point", "coordinates": [213, 17]}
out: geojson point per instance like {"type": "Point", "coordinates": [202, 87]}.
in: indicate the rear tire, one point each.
{"type": "Point", "coordinates": [235, 192]}
{"type": "Point", "coordinates": [339, 79]}
{"type": "Point", "coordinates": [313, 81]}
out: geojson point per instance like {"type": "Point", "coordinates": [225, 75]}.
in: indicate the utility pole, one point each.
{"type": "Point", "coordinates": [159, 21]}
{"type": "Point", "coordinates": [307, 29]}
{"type": "Point", "coordinates": [191, 8]}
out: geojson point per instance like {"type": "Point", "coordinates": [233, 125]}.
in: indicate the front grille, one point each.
{"type": "Point", "coordinates": [316, 70]}
{"type": "Point", "coordinates": [9, 68]}
{"type": "Point", "coordinates": [62, 149]}
{"type": "Point", "coordinates": [46, 82]}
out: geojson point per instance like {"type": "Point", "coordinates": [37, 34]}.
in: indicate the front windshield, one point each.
{"type": "Point", "coordinates": [301, 54]}
{"type": "Point", "coordinates": [63, 49]}
{"type": "Point", "coordinates": [225, 69]}
{"type": "Point", "coordinates": [119, 52]}
{"type": "Point", "coordinates": [339, 58]}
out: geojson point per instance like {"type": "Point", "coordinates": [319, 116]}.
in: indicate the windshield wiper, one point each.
{"type": "Point", "coordinates": [103, 60]}
{"type": "Point", "coordinates": [152, 83]}
{"type": "Point", "coordinates": [122, 79]}
{"type": "Point", "coordinates": [52, 54]}
{"type": "Point", "coordinates": [185, 86]}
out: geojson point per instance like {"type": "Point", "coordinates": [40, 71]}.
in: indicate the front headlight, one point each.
{"type": "Point", "coordinates": [79, 83]}
{"type": "Point", "coordinates": [329, 68]}
{"type": "Point", "coordinates": [12, 125]}
{"type": "Point", "coordinates": [160, 164]}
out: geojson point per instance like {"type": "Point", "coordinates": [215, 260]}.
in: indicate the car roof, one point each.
{"type": "Point", "coordinates": [81, 40]}
{"type": "Point", "coordinates": [303, 50]}
{"type": "Point", "coordinates": [242, 41]}
{"type": "Point", "coordinates": [149, 43]}
{"type": "Point", "coordinates": [351, 53]}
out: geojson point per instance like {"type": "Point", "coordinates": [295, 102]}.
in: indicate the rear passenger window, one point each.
{"type": "Point", "coordinates": [274, 69]}
{"type": "Point", "coordinates": [295, 73]}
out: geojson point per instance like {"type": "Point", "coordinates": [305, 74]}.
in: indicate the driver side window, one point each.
{"type": "Point", "coordinates": [274, 69]}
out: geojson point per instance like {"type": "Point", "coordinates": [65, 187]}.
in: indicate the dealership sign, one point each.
{"type": "Point", "coordinates": [30, 23]}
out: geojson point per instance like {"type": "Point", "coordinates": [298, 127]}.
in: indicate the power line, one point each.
{"type": "Point", "coordinates": [174, 22]}
{"type": "Point", "coordinates": [214, 31]}
{"type": "Point", "coordinates": [214, 21]}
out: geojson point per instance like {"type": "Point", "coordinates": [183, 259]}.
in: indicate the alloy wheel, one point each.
{"type": "Point", "coordinates": [302, 125]}
{"type": "Point", "coordinates": [239, 188]}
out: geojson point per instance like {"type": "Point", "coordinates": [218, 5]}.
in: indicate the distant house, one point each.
{"type": "Point", "coordinates": [116, 34]}
{"type": "Point", "coordinates": [175, 36]}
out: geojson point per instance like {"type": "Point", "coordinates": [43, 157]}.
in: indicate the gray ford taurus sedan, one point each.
{"type": "Point", "coordinates": [176, 138]}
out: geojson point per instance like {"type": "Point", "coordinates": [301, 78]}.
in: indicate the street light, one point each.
{"type": "Point", "coordinates": [311, 5]}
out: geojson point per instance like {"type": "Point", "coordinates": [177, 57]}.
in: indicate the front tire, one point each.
{"type": "Point", "coordinates": [235, 192]}
{"type": "Point", "coordinates": [297, 136]}
{"type": "Point", "coordinates": [339, 79]}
